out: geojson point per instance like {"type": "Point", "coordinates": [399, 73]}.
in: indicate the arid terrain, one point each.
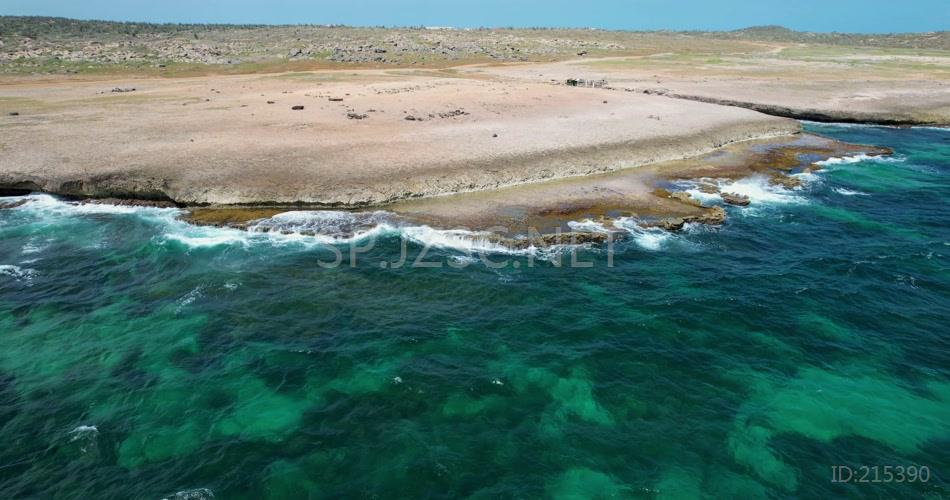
{"type": "Point", "coordinates": [355, 117]}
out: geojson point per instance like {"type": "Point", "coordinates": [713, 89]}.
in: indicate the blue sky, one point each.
{"type": "Point", "coordinates": [811, 15]}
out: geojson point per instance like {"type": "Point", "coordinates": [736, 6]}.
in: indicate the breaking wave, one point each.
{"type": "Point", "coordinates": [756, 188]}
{"type": "Point", "coordinates": [848, 192]}
{"type": "Point", "coordinates": [24, 275]}
{"type": "Point", "coordinates": [306, 228]}
{"type": "Point", "coordinates": [848, 160]}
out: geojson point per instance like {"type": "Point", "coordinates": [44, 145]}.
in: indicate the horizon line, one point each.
{"type": "Point", "coordinates": [450, 27]}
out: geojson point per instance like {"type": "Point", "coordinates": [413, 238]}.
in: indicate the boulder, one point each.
{"type": "Point", "coordinates": [735, 199]}
{"type": "Point", "coordinates": [297, 108]}
{"type": "Point", "coordinates": [6, 205]}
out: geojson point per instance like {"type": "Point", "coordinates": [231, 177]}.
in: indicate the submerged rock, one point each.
{"type": "Point", "coordinates": [735, 199]}
{"type": "Point", "coordinates": [785, 181]}
{"type": "Point", "coordinates": [195, 494]}
{"type": "Point", "coordinates": [6, 205]}
{"type": "Point", "coordinates": [549, 240]}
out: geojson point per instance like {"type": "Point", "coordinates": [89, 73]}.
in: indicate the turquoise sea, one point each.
{"type": "Point", "coordinates": [144, 358]}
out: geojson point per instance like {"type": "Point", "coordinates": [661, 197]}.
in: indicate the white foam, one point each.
{"type": "Point", "coordinates": [454, 239]}
{"type": "Point", "coordinates": [648, 238]}
{"type": "Point", "coordinates": [189, 298]}
{"type": "Point", "coordinates": [587, 226]}
{"type": "Point", "coordinates": [302, 227]}
{"type": "Point", "coordinates": [32, 246]}
{"type": "Point", "coordinates": [326, 226]}
{"type": "Point", "coordinates": [53, 205]}
{"type": "Point", "coordinates": [848, 192]}
{"type": "Point", "coordinates": [205, 237]}
{"type": "Point", "coordinates": [848, 160]}
{"type": "Point", "coordinates": [760, 192]}
{"type": "Point", "coordinates": [195, 494]}
{"type": "Point", "coordinates": [703, 197]}
{"type": "Point", "coordinates": [84, 431]}
{"type": "Point", "coordinates": [18, 273]}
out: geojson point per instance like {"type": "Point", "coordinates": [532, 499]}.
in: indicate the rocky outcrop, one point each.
{"type": "Point", "coordinates": [684, 197]}
{"type": "Point", "coordinates": [125, 202]}
{"type": "Point", "coordinates": [786, 181]}
{"type": "Point", "coordinates": [735, 199]}
{"type": "Point", "coordinates": [714, 216]}
{"type": "Point", "coordinates": [814, 115]}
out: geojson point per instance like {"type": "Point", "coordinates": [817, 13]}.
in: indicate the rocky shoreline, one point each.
{"type": "Point", "coordinates": [548, 208]}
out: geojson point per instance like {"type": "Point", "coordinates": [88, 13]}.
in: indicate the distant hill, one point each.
{"type": "Point", "coordinates": [933, 40]}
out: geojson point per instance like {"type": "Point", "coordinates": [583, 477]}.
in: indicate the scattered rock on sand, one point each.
{"type": "Point", "coordinates": [15, 113]}
{"type": "Point", "coordinates": [270, 102]}
{"type": "Point", "coordinates": [297, 108]}
{"type": "Point", "coordinates": [335, 99]}
{"type": "Point", "coordinates": [453, 113]}
{"type": "Point", "coordinates": [119, 90]}
{"type": "Point", "coordinates": [735, 199]}
{"type": "Point", "coordinates": [357, 116]}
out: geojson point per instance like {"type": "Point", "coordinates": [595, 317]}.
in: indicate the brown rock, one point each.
{"type": "Point", "coordinates": [123, 202]}
{"type": "Point", "coordinates": [785, 181]}
{"type": "Point", "coordinates": [547, 240]}
{"type": "Point", "coordinates": [669, 224]}
{"type": "Point", "coordinates": [713, 216]}
{"type": "Point", "coordinates": [685, 198]}
{"type": "Point", "coordinates": [735, 199]}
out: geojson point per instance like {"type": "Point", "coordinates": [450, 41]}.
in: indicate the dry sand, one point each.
{"type": "Point", "coordinates": [892, 87]}
{"type": "Point", "coordinates": [236, 139]}
{"type": "Point", "coordinates": [217, 140]}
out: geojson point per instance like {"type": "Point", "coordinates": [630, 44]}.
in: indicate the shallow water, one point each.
{"type": "Point", "coordinates": [140, 357]}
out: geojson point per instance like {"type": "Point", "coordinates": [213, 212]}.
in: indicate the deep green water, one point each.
{"type": "Point", "coordinates": [140, 357]}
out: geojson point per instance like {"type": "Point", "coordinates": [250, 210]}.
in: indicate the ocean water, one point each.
{"type": "Point", "coordinates": [144, 358]}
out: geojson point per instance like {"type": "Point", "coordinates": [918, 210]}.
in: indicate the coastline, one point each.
{"type": "Point", "coordinates": [363, 138]}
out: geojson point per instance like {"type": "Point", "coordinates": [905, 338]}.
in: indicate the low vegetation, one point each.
{"type": "Point", "coordinates": [41, 46]}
